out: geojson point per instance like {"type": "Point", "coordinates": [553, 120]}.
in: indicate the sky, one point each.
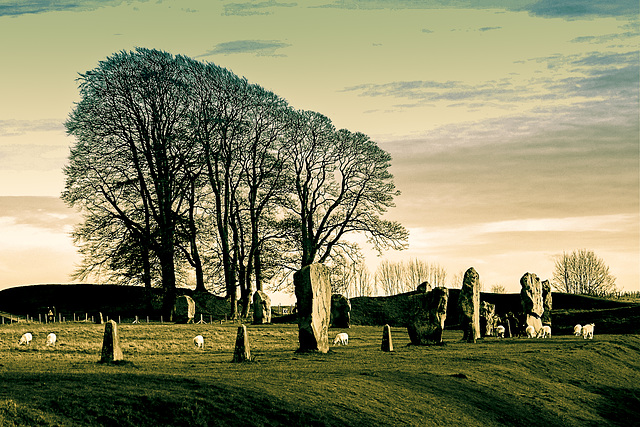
{"type": "Point", "coordinates": [513, 124]}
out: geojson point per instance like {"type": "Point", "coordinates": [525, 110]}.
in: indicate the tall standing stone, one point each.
{"type": "Point", "coordinates": [546, 303]}
{"type": "Point", "coordinates": [111, 351]}
{"type": "Point", "coordinates": [184, 309]}
{"type": "Point", "coordinates": [428, 312]}
{"type": "Point", "coordinates": [313, 294]}
{"type": "Point", "coordinates": [469, 305]}
{"type": "Point", "coordinates": [242, 352]}
{"type": "Point", "coordinates": [340, 311]}
{"type": "Point", "coordinates": [488, 318]}
{"type": "Point", "coordinates": [387, 343]}
{"type": "Point", "coordinates": [261, 308]}
{"type": "Point", "coordinates": [532, 302]}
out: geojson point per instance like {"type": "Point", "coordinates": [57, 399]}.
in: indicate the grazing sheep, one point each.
{"type": "Point", "coordinates": [545, 332]}
{"type": "Point", "coordinates": [577, 330]}
{"type": "Point", "coordinates": [531, 332]}
{"type": "Point", "coordinates": [587, 331]}
{"type": "Point", "coordinates": [25, 339]}
{"type": "Point", "coordinates": [341, 339]}
{"type": "Point", "coordinates": [500, 331]}
{"type": "Point", "coordinates": [198, 341]}
{"type": "Point", "coordinates": [51, 339]}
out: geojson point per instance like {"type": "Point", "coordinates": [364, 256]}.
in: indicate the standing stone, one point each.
{"type": "Point", "coordinates": [428, 313]}
{"type": "Point", "coordinates": [423, 287]}
{"type": "Point", "coordinates": [387, 343]}
{"type": "Point", "coordinates": [340, 311]}
{"type": "Point", "coordinates": [313, 294]}
{"type": "Point", "coordinates": [184, 309]}
{"type": "Point", "coordinates": [469, 305]}
{"type": "Point", "coordinates": [242, 352]}
{"type": "Point", "coordinates": [488, 319]}
{"type": "Point", "coordinates": [546, 303]}
{"type": "Point", "coordinates": [111, 351]}
{"type": "Point", "coordinates": [532, 302]}
{"type": "Point", "coordinates": [261, 308]}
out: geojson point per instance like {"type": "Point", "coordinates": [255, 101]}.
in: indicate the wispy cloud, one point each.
{"type": "Point", "coordinates": [583, 8]}
{"type": "Point", "coordinates": [582, 77]}
{"type": "Point", "coordinates": [566, 9]}
{"type": "Point", "coordinates": [20, 127]}
{"type": "Point", "coordinates": [257, 47]}
{"type": "Point", "coordinates": [14, 8]}
{"type": "Point", "coordinates": [48, 213]}
{"type": "Point", "coordinates": [253, 8]}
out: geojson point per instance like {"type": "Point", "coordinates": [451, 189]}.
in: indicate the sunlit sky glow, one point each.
{"type": "Point", "coordinates": [513, 125]}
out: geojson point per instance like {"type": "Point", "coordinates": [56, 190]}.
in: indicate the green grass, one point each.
{"type": "Point", "coordinates": [165, 381]}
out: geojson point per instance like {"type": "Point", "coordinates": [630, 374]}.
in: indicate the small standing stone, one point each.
{"type": "Point", "coordinates": [340, 311]}
{"type": "Point", "coordinates": [242, 352]}
{"type": "Point", "coordinates": [261, 308]}
{"type": "Point", "coordinates": [111, 351]}
{"type": "Point", "coordinates": [184, 309]}
{"type": "Point", "coordinates": [387, 343]}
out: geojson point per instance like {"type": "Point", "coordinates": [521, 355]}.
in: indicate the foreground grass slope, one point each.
{"type": "Point", "coordinates": [564, 380]}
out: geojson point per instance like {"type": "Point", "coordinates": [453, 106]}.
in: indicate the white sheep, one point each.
{"type": "Point", "coordinates": [51, 339]}
{"type": "Point", "coordinates": [25, 339]}
{"type": "Point", "coordinates": [341, 339]}
{"type": "Point", "coordinates": [544, 332]}
{"type": "Point", "coordinates": [198, 341]}
{"type": "Point", "coordinates": [500, 331]}
{"type": "Point", "coordinates": [577, 330]}
{"type": "Point", "coordinates": [531, 331]}
{"type": "Point", "coordinates": [587, 331]}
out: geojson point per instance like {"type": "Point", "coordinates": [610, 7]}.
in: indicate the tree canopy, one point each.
{"type": "Point", "coordinates": [182, 165]}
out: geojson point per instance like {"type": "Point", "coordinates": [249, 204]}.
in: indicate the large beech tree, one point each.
{"type": "Point", "coordinates": [132, 158]}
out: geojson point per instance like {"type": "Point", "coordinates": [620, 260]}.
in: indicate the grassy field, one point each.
{"type": "Point", "coordinates": [561, 381]}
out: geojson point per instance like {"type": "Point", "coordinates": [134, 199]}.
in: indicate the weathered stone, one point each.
{"type": "Point", "coordinates": [111, 351]}
{"type": "Point", "coordinates": [428, 312]}
{"type": "Point", "coordinates": [423, 287]}
{"type": "Point", "coordinates": [488, 319]}
{"type": "Point", "coordinates": [340, 311]}
{"type": "Point", "coordinates": [313, 294]}
{"type": "Point", "coordinates": [242, 352]}
{"type": "Point", "coordinates": [469, 304]}
{"type": "Point", "coordinates": [546, 303]}
{"type": "Point", "coordinates": [184, 309]}
{"type": "Point", "coordinates": [261, 308]}
{"type": "Point", "coordinates": [387, 343]}
{"type": "Point", "coordinates": [532, 302]}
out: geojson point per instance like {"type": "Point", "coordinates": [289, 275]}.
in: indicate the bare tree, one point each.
{"type": "Point", "coordinates": [498, 289]}
{"type": "Point", "coordinates": [341, 185]}
{"type": "Point", "coordinates": [582, 272]}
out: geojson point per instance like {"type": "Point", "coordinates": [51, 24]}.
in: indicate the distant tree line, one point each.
{"type": "Point", "coordinates": [181, 169]}
{"type": "Point", "coordinates": [583, 272]}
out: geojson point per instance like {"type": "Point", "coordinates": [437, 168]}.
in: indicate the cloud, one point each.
{"type": "Point", "coordinates": [258, 47]}
{"type": "Point", "coordinates": [251, 8]}
{"type": "Point", "coordinates": [45, 213]}
{"type": "Point", "coordinates": [566, 9]}
{"type": "Point", "coordinates": [578, 78]}
{"type": "Point", "coordinates": [571, 9]}
{"type": "Point", "coordinates": [484, 29]}
{"type": "Point", "coordinates": [20, 127]}
{"type": "Point", "coordinates": [15, 8]}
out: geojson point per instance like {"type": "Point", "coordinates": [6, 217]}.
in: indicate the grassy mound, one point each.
{"type": "Point", "coordinates": [563, 380]}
